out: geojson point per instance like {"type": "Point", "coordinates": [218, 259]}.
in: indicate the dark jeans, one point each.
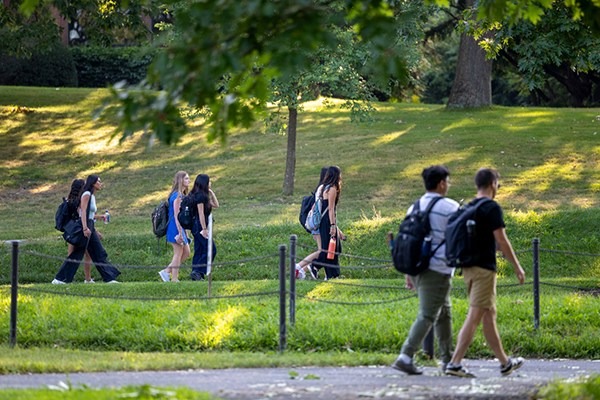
{"type": "Point", "coordinates": [69, 268]}
{"type": "Point", "coordinates": [201, 249]}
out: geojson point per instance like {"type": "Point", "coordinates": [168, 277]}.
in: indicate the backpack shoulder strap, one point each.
{"type": "Point", "coordinates": [481, 202]}
{"type": "Point", "coordinates": [432, 203]}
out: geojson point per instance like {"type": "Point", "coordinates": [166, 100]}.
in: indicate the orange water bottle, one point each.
{"type": "Point", "coordinates": [331, 254]}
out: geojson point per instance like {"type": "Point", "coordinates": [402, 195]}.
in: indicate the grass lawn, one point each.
{"type": "Point", "coordinates": [547, 158]}
{"type": "Point", "coordinates": [65, 392]}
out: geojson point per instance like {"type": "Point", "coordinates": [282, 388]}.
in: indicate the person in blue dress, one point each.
{"type": "Point", "coordinates": [175, 233]}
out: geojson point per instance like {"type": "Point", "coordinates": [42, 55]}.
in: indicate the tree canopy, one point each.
{"type": "Point", "coordinates": [252, 42]}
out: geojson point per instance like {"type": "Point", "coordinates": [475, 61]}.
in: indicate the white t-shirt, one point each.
{"type": "Point", "coordinates": [93, 207]}
{"type": "Point", "coordinates": [438, 219]}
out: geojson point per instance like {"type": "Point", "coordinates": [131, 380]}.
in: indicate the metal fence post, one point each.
{"type": "Point", "coordinates": [282, 338]}
{"type": "Point", "coordinates": [293, 239]}
{"type": "Point", "coordinates": [210, 254]}
{"type": "Point", "coordinates": [536, 283]}
{"type": "Point", "coordinates": [429, 343]}
{"type": "Point", "coordinates": [14, 295]}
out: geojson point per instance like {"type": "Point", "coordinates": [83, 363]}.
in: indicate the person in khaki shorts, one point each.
{"type": "Point", "coordinates": [481, 279]}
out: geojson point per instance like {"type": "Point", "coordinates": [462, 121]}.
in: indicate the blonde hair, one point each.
{"type": "Point", "coordinates": [178, 184]}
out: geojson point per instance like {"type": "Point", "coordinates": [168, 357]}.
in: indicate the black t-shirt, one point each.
{"type": "Point", "coordinates": [489, 218]}
{"type": "Point", "coordinates": [202, 198]}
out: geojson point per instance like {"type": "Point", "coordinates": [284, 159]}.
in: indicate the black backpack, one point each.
{"type": "Point", "coordinates": [307, 203]}
{"type": "Point", "coordinates": [409, 252]}
{"type": "Point", "coordinates": [461, 231]}
{"type": "Point", "coordinates": [62, 216]}
{"type": "Point", "coordinates": [186, 212]}
{"type": "Point", "coordinates": [160, 219]}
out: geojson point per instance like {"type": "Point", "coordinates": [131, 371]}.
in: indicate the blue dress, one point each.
{"type": "Point", "coordinates": [172, 228]}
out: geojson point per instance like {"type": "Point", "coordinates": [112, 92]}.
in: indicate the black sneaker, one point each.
{"type": "Point", "coordinates": [511, 365]}
{"type": "Point", "coordinates": [314, 272]}
{"type": "Point", "coordinates": [409, 368]}
{"type": "Point", "coordinates": [459, 370]}
{"type": "Point", "coordinates": [195, 276]}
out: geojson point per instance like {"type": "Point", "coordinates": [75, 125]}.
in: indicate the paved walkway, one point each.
{"type": "Point", "coordinates": [335, 382]}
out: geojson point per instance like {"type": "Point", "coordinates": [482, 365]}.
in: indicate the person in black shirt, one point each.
{"type": "Point", "coordinates": [73, 201]}
{"type": "Point", "coordinates": [205, 200]}
{"type": "Point", "coordinates": [481, 279]}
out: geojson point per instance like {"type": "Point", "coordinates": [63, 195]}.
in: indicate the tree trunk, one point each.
{"type": "Point", "coordinates": [290, 162]}
{"type": "Point", "coordinates": [472, 86]}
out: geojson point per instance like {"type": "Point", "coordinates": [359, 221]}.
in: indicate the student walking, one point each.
{"type": "Point", "coordinates": [175, 233]}
{"type": "Point", "coordinates": [305, 265]}
{"type": "Point", "coordinates": [480, 278]}
{"type": "Point", "coordinates": [332, 187]}
{"type": "Point", "coordinates": [433, 285]}
{"type": "Point", "coordinates": [87, 213]}
{"type": "Point", "coordinates": [73, 201]}
{"type": "Point", "coordinates": [204, 201]}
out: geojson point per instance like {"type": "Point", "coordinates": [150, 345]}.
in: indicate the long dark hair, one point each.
{"type": "Point", "coordinates": [75, 190]}
{"type": "Point", "coordinates": [334, 178]}
{"type": "Point", "coordinates": [322, 178]}
{"type": "Point", "coordinates": [201, 185]}
{"type": "Point", "coordinates": [89, 185]}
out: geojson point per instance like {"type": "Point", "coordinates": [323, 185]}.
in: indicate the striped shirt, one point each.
{"type": "Point", "coordinates": [438, 219]}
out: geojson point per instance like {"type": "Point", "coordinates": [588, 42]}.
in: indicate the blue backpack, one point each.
{"type": "Point", "coordinates": [314, 216]}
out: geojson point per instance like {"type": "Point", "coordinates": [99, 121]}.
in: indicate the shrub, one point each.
{"type": "Point", "coordinates": [54, 68]}
{"type": "Point", "coordinates": [101, 66]}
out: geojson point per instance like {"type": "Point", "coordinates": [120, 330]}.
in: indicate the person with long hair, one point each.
{"type": "Point", "coordinates": [332, 188]}
{"type": "Point", "coordinates": [175, 233]}
{"type": "Point", "coordinates": [87, 213]}
{"type": "Point", "coordinates": [205, 200]}
{"type": "Point", "coordinates": [304, 266]}
{"type": "Point", "coordinates": [73, 201]}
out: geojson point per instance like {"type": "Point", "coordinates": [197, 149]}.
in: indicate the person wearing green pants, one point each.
{"type": "Point", "coordinates": [433, 286]}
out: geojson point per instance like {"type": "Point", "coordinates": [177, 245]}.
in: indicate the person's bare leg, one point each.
{"type": "Point", "coordinates": [492, 337]}
{"type": "Point", "coordinates": [177, 252]}
{"type": "Point", "coordinates": [467, 332]}
{"type": "Point", "coordinates": [185, 253]}
{"type": "Point", "coordinates": [308, 260]}
{"type": "Point", "coordinates": [87, 267]}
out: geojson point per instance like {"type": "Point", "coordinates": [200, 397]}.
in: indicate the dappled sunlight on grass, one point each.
{"type": "Point", "coordinates": [220, 326]}
{"type": "Point", "coordinates": [391, 136]}
{"type": "Point", "coordinates": [322, 291]}
{"type": "Point", "coordinates": [459, 124]}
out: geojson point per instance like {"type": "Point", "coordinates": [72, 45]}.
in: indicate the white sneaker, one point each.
{"type": "Point", "coordinates": [301, 274]}
{"type": "Point", "coordinates": [164, 275]}
{"type": "Point", "coordinates": [113, 281]}
{"type": "Point", "coordinates": [57, 282]}
{"type": "Point", "coordinates": [90, 281]}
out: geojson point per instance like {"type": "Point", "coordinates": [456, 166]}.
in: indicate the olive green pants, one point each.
{"type": "Point", "coordinates": [433, 290]}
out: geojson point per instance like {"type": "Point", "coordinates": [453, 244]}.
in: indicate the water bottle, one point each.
{"type": "Point", "coordinates": [426, 248]}
{"type": "Point", "coordinates": [331, 248]}
{"type": "Point", "coordinates": [471, 235]}
{"type": "Point", "coordinates": [106, 217]}
{"type": "Point", "coordinates": [471, 228]}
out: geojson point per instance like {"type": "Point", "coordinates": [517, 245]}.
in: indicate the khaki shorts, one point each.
{"type": "Point", "coordinates": [481, 287]}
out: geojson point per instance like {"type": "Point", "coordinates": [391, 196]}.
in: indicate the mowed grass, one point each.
{"type": "Point", "coordinates": [547, 158]}
{"type": "Point", "coordinates": [65, 391]}
{"type": "Point", "coordinates": [569, 320]}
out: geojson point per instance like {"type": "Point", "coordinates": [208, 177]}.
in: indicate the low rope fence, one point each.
{"type": "Point", "coordinates": [101, 296]}
{"type": "Point", "coordinates": [286, 295]}
{"type": "Point", "coordinates": [125, 266]}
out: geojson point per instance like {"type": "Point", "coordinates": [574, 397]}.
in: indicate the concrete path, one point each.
{"type": "Point", "coordinates": [335, 382]}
